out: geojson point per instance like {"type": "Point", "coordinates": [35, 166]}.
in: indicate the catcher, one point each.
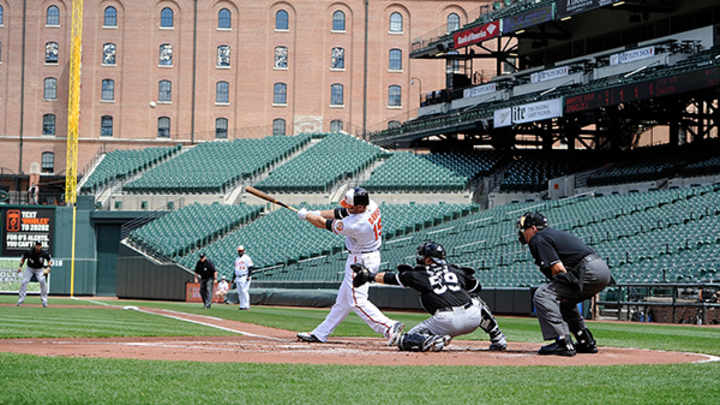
{"type": "Point", "coordinates": [444, 292]}
{"type": "Point", "coordinates": [38, 267]}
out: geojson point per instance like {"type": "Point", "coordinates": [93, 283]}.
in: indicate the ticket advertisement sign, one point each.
{"type": "Point", "coordinates": [632, 55]}
{"type": "Point", "coordinates": [477, 34]}
{"type": "Point", "coordinates": [549, 74]}
{"type": "Point", "coordinates": [480, 90]}
{"type": "Point", "coordinates": [22, 227]}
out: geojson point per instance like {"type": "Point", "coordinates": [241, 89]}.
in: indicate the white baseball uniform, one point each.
{"type": "Point", "coordinates": [242, 268]}
{"type": "Point", "coordinates": [363, 237]}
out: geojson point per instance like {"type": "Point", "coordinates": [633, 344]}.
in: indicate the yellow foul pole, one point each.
{"type": "Point", "coordinates": [71, 158]}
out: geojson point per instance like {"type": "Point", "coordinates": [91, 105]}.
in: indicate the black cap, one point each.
{"type": "Point", "coordinates": [202, 255]}
{"type": "Point", "coordinates": [38, 243]}
{"type": "Point", "coordinates": [355, 196]}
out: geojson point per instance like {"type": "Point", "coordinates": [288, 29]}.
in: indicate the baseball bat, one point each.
{"type": "Point", "coordinates": [257, 193]}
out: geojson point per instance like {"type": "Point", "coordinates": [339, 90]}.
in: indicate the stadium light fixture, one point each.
{"type": "Point", "coordinates": [548, 91]}
{"type": "Point", "coordinates": [619, 3]}
{"type": "Point", "coordinates": [518, 32]}
{"type": "Point", "coordinates": [566, 18]}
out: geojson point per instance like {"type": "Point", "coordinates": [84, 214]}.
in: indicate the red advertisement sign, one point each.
{"type": "Point", "coordinates": [476, 34]}
{"type": "Point", "coordinates": [192, 293]}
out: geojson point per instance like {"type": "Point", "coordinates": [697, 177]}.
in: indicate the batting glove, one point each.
{"type": "Point", "coordinates": [302, 214]}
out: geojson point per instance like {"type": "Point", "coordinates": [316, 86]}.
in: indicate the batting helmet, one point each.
{"type": "Point", "coordinates": [355, 196]}
{"type": "Point", "coordinates": [430, 249]}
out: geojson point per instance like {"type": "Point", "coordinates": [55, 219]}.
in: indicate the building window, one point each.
{"type": "Point", "coordinates": [394, 124]}
{"type": "Point", "coordinates": [165, 91]}
{"type": "Point", "coordinates": [109, 50]}
{"type": "Point", "coordinates": [281, 57]}
{"type": "Point", "coordinates": [0, 51]}
{"type": "Point", "coordinates": [51, 52]}
{"type": "Point", "coordinates": [48, 124]}
{"type": "Point", "coordinates": [163, 127]}
{"type": "Point", "coordinates": [453, 22]}
{"type": "Point", "coordinates": [452, 66]}
{"type": "Point", "coordinates": [50, 88]}
{"type": "Point", "coordinates": [106, 125]}
{"type": "Point", "coordinates": [278, 127]}
{"type": "Point", "coordinates": [396, 22]}
{"type": "Point", "coordinates": [338, 21]}
{"type": "Point", "coordinates": [166, 17]}
{"type": "Point", "coordinates": [224, 20]}
{"type": "Point", "coordinates": [221, 128]}
{"type": "Point", "coordinates": [223, 56]}
{"type": "Point", "coordinates": [336, 125]}
{"type": "Point", "coordinates": [222, 92]}
{"type": "Point", "coordinates": [166, 55]}
{"type": "Point", "coordinates": [47, 162]}
{"type": "Point", "coordinates": [53, 16]}
{"type": "Point", "coordinates": [1, 15]}
{"type": "Point", "coordinates": [108, 90]}
{"type": "Point", "coordinates": [280, 93]}
{"type": "Point", "coordinates": [395, 59]}
{"type": "Point", "coordinates": [394, 96]}
{"type": "Point", "coordinates": [282, 22]}
{"type": "Point", "coordinates": [337, 58]}
{"type": "Point", "coordinates": [336, 94]}
{"type": "Point", "coordinates": [110, 19]}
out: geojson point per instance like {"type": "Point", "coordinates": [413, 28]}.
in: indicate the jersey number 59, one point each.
{"type": "Point", "coordinates": [441, 282]}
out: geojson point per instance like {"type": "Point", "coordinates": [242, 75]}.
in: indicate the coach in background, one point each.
{"type": "Point", "coordinates": [39, 263]}
{"type": "Point", "coordinates": [206, 270]}
{"type": "Point", "coordinates": [241, 277]}
{"type": "Point", "coordinates": [576, 273]}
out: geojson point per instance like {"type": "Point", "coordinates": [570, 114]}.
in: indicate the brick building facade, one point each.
{"type": "Point", "coordinates": [167, 71]}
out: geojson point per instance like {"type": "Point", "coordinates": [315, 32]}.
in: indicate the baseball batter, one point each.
{"type": "Point", "coordinates": [445, 292]}
{"type": "Point", "coordinates": [243, 272]}
{"type": "Point", "coordinates": [359, 220]}
{"type": "Point", "coordinates": [37, 259]}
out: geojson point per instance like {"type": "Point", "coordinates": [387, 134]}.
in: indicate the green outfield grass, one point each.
{"type": "Point", "coordinates": [33, 379]}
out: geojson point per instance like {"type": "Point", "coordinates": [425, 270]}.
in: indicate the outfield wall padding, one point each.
{"type": "Point", "coordinates": [140, 278]}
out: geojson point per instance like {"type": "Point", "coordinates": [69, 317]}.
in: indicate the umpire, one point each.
{"type": "Point", "coordinates": [576, 273]}
{"type": "Point", "coordinates": [206, 270]}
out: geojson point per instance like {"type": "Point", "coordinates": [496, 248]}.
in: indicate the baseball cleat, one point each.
{"type": "Point", "coordinates": [561, 347]}
{"type": "Point", "coordinates": [394, 333]}
{"type": "Point", "coordinates": [498, 344]}
{"type": "Point", "coordinates": [44, 304]}
{"type": "Point", "coordinates": [308, 337]}
{"type": "Point", "coordinates": [436, 343]}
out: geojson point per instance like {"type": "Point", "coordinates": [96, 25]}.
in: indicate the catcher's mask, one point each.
{"type": "Point", "coordinates": [530, 219]}
{"type": "Point", "coordinates": [430, 249]}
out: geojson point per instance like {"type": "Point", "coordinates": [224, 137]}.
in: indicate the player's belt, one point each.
{"type": "Point", "coordinates": [364, 252]}
{"type": "Point", "coordinates": [450, 309]}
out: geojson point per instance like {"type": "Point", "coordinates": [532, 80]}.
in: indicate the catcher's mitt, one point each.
{"type": "Point", "coordinates": [362, 274]}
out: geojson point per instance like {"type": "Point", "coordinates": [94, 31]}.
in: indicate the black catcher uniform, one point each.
{"type": "Point", "coordinates": [445, 293]}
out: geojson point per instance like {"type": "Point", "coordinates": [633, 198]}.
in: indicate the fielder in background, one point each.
{"type": "Point", "coordinates": [575, 273]}
{"type": "Point", "coordinates": [39, 263]}
{"type": "Point", "coordinates": [242, 276]}
{"type": "Point", "coordinates": [360, 222]}
{"type": "Point", "coordinates": [222, 289]}
{"type": "Point", "coordinates": [206, 270]}
{"type": "Point", "coordinates": [445, 292]}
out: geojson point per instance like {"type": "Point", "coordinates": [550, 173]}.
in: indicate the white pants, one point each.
{"type": "Point", "coordinates": [355, 299]}
{"type": "Point", "coordinates": [27, 275]}
{"type": "Point", "coordinates": [243, 289]}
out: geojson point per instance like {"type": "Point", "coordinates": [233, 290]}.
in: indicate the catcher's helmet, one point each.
{"type": "Point", "coordinates": [355, 196]}
{"type": "Point", "coordinates": [430, 249]}
{"type": "Point", "coordinates": [529, 219]}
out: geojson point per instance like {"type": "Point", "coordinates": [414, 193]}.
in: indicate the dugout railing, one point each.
{"type": "Point", "coordinates": [697, 303]}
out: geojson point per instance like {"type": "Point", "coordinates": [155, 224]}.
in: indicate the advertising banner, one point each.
{"type": "Point", "coordinates": [479, 90]}
{"type": "Point", "coordinates": [192, 293]}
{"type": "Point", "coordinates": [476, 34]}
{"type": "Point", "coordinates": [541, 110]}
{"type": "Point", "coordinates": [632, 55]}
{"type": "Point", "coordinates": [502, 118]}
{"type": "Point", "coordinates": [567, 8]}
{"type": "Point", "coordinates": [527, 19]}
{"type": "Point", "coordinates": [549, 74]}
{"type": "Point", "coordinates": [22, 227]}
